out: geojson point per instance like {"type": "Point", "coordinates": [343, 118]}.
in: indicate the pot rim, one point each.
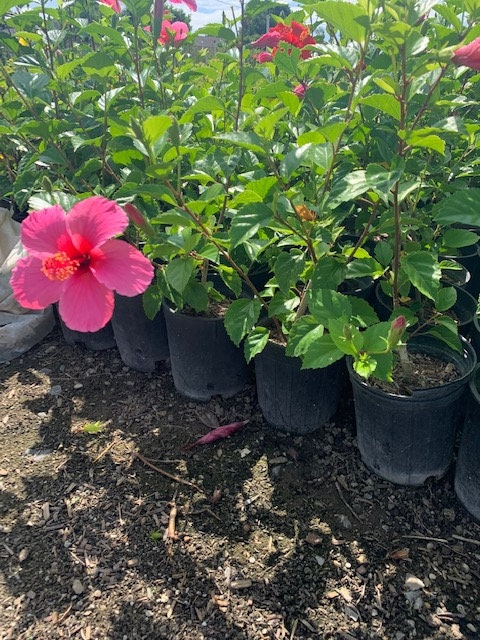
{"type": "Point", "coordinates": [468, 354]}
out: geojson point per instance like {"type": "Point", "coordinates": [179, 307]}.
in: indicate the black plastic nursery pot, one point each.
{"type": "Point", "coordinates": [92, 340]}
{"type": "Point", "coordinates": [469, 257]}
{"type": "Point", "coordinates": [475, 334]}
{"type": "Point", "coordinates": [295, 400]}
{"type": "Point", "coordinates": [467, 470]}
{"type": "Point", "coordinates": [407, 439]}
{"type": "Point", "coordinates": [141, 342]}
{"type": "Point", "coordinates": [204, 360]}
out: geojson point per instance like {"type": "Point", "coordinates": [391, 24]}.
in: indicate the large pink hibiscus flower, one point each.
{"type": "Point", "coordinates": [73, 260]}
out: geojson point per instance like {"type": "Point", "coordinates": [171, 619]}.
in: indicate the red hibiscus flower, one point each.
{"type": "Point", "coordinates": [295, 34]}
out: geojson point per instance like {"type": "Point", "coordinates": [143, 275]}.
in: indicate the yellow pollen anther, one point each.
{"type": "Point", "coordinates": [59, 266]}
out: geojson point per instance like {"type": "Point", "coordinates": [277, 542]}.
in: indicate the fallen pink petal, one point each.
{"type": "Point", "coordinates": [217, 434]}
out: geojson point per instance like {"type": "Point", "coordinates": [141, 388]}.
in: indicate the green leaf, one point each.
{"type": "Point", "coordinates": [423, 271]}
{"type": "Point", "coordinates": [231, 279]}
{"type": "Point", "coordinates": [383, 102]}
{"type": "Point", "coordinates": [459, 238]}
{"type": "Point", "coordinates": [426, 140]}
{"type": "Point", "coordinates": [381, 180]}
{"type": "Point", "coordinates": [93, 427]}
{"type": "Point", "coordinates": [247, 140]}
{"type": "Point", "coordinates": [196, 295]}
{"type": "Point", "coordinates": [303, 333]}
{"type": "Point", "coordinates": [6, 5]}
{"type": "Point", "coordinates": [350, 19]}
{"type": "Point", "coordinates": [154, 127]}
{"type": "Point", "coordinates": [345, 337]}
{"type": "Point", "coordinates": [179, 272]}
{"type": "Point", "coordinates": [462, 207]}
{"type": "Point", "coordinates": [321, 353]}
{"type": "Point", "coordinates": [326, 303]}
{"type": "Point", "coordinates": [362, 313]}
{"type": "Point", "coordinates": [248, 220]}
{"type": "Point", "coordinates": [446, 298]}
{"type": "Point", "coordinates": [152, 301]}
{"type": "Point", "coordinates": [207, 104]}
{"type": "Point", "coordinates": [241, 317]}
{"type": "Point", "coordinates": [384, 253]}
{"type": "Point", "coordinates": [375, 337]}
{"type": "Point", "coordinates": [287, 269]}
{"type": "Point", "coordinates": [447, 331]}
{"type": "Point", "coordinates": [348, 188]}
{"type": "Point", "coordinates": [98, 64]}
{"type": "Point", "coordinates": [328, 273]}
{"type": "Point", "coordinates": [255, 342]}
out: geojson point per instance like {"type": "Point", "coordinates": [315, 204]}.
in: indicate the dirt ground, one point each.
{"type": "Point", "coordinates": [110, 529]}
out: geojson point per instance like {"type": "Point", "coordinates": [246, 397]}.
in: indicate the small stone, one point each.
{"type": "Point", "coordinates": [132, 562]}
{"type": "Point", "coordinates": [78, 385]}
{"type": "Point", "coordinates": [471, 627]}
{"type": "Point", "coordinates": [56, 390]}
{"type": "Point", "coordinates": [412, 583]}
{"type": "Point", "coordinates": [345, 521]}
{"type": "Point", "coordinates": [241, 584]}
{"type": "Point", "coordinates": [77, 587]}
{"type": "Point", "coordinates": [97, 593]}
{"type": "Point", "coordinates": [3, 472]}
{"type": "Point", "coordinates": [23, 555]}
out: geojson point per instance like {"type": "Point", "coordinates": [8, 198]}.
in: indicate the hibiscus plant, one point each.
{"type": "Point", "coordinates": [338, 147]}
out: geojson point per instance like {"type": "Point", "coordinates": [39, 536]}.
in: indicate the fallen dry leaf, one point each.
{"type": "Point", "coordinates": [399, 554]}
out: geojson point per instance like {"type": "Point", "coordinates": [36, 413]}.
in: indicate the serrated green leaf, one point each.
{"type": "Point", "coordinates": [179, 271]}
{"type": "Point", "coordinates": [287, 269]}
{"type": "Point", "coordinates": [152, 301]}
{"type": "Point", "coordinates": [196, 296]}
{"type": "Point", "coordinates": [328, 273]}
{"type": "Point", "coordinates": [248, 220]}
{"type": "Point", "coordinates": [255, 342]}
{"type": "Point", "coordinates": [321, 353]}
{"type": "Point", "coordinates": [462, 206]}
{"type": "Point", "coordinates": [456, 238]}
{"type": "Point", "coordinates": [241, 317]}
{"type": "Point", "coordinates": [446, 298]}
{"type": "Point", "coordinates": [350, 19]}
{"type": "Point", "coordinates": [302, 334]}
{"type": "Point", "coordinates": [423, 271]}
{"type": "Point", "coordinates": [383, 102]}
{"type": "Point", "coordinates": [326, 303]}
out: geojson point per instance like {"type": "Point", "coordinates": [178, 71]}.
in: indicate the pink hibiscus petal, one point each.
{"type": "Point", "coordinates": [43, 232]}
{"type": "Point", "coordinates": [93, 221]}
{"type": "Point", "coordinates": [121, 267]}
{"type": "Point", "coordinates": [217, 433]}
{"type": "Point", "coordinates": [31, 288]}
{"type": "Point", "coordinates": [86, 304]}
{"type": "Point", "coordinates": [191, 4]}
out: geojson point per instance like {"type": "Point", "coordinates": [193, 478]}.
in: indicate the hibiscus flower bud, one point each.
{"type": "Point", "coordinates": [397, 329]}
{"type": "Point", "coordinates": [468, 55]}
{"type": "Point", "coordinates": [301, 89]}
{"type": "Point", "coordinates": [263, 56]}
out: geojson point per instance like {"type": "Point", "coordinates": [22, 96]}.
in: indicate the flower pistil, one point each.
{"type": "Point", "coordinates": [60, 266]}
